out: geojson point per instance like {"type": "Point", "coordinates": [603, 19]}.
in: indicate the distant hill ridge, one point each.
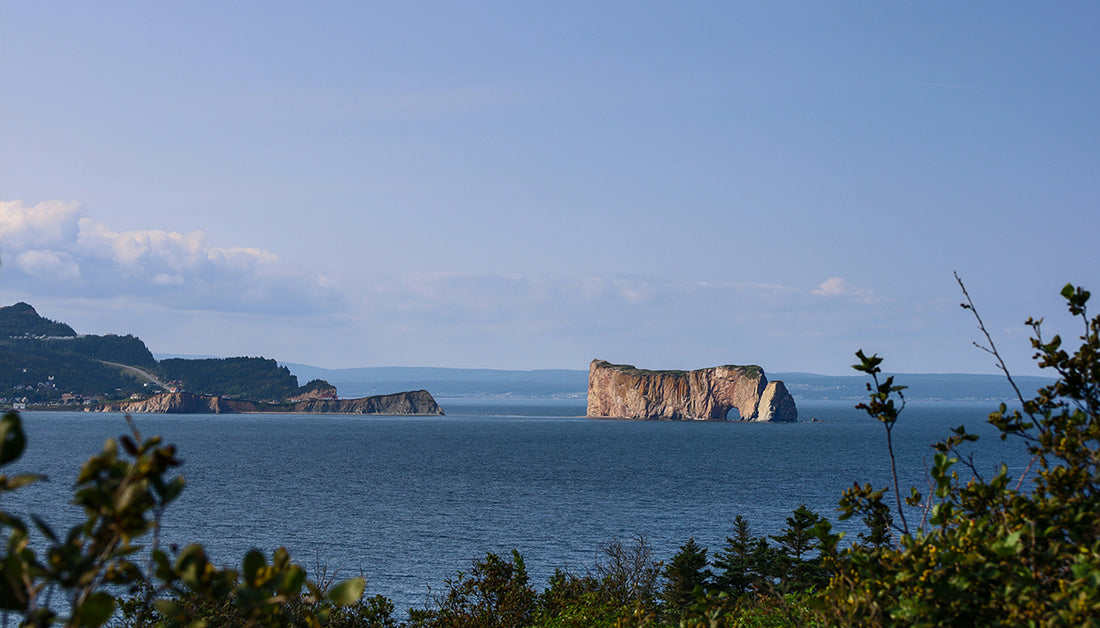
{"type": "Point", "coordinates": [573, 383]}
{"type": "Point", "coordinates": [21, 320]}
{"type": "Point", "coordinates": [43, 360]}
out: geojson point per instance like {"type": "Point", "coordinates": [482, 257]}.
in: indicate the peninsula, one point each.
{"type": "Point", "coordinates": [416, 402]}
{"type": "Point", "coordinates": [45, 364]}
{"type": "Point", "coordinates": [623, 391]}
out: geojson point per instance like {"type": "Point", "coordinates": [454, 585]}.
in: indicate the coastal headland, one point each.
{"type": "Point", "coordinates": [416, 402]}
{"type": "Point", "coordinates": [623, 391]}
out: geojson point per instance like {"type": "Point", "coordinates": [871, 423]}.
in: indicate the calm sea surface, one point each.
{"type": "Point", "coordinates": [408, 501]}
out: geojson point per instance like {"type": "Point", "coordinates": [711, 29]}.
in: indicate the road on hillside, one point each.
{"type": "Point", "coordinates": [139, 372]}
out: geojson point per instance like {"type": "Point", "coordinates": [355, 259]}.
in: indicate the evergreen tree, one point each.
{"type": "Point", "coordinates": [685, 572]}
{"type": "Point", "coordinates": [878, 521]}
{"type": "Point", "coordinates": [746, 563]}
{"type": "Point", "coordinates": [798, 569]}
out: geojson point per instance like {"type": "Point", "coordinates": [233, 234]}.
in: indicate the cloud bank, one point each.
{"type": "Point", "coordinates": [519, 321]}
{"type": "Point", "coordinates": [54, 248]}
{"type": "Point", "coordinates": [183, 294]}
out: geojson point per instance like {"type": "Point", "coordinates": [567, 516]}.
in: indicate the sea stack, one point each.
{"type": "Point", "coordinates": [623, 391]}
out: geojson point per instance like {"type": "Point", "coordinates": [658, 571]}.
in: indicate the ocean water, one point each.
{"type": "Point", "coordinates": [409, 501]}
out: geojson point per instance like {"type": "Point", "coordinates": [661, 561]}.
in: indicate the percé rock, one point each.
{"type": "Point", "coordinates": [419, 402]}
{"type": "Point", "coordinates": [623, 391]}
{"type": "Point", "coordinates": [180, 403]}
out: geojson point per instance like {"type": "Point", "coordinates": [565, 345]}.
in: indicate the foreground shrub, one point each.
{"type": "Point", "coordinates": [991, 551]}
{"type": "Point", "coordinates": [123, 496]}
{"type": "Point", "coordinates": [495, 593]}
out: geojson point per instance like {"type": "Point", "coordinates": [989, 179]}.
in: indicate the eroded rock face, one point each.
{"type": "Point", "coordinates": [776, 404]}
{"type": "Point", "coordinates": [418, 402]}
{"type": "Point", "coordinates": [180, 403]}
{"type": "Point", "coordinates": [622, 391]}
{"type": "Point", "coordinates": [323, 392]}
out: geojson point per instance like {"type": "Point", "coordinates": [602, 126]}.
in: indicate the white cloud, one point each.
{"type": "Point", "coordinates": [48, 264]}
{"type": "Point", "coordinates": [183, 293]}
{"type": "Point", "coordinates": [520, 321]}
{"type": "Point", "coordinates": [40, 225]}
{"type": "Point", "coordinates": [164, 279]}
{"type": "Point", "coordinates": [838, 287]}
{"type": "Point", "coordinates": [64, 251]}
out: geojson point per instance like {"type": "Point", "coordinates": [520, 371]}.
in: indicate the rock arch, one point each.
{"type": "Point", "coordinates": [623, 391]}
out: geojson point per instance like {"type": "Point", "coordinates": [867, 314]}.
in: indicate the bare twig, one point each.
{"type": "Point", "coordinates": [992, 348]}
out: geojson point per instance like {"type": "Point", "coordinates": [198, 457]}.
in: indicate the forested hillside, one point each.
{"type": "Point", "coordinates": [22, 320]}
{"type": "Point", "coordinates": [110, 348]}
{"type": "Point", "coordinates": [41, 360]}
{"type": "Point", "coordinates": [256, 379]}
{"type": "Point", "coordinates": [36, 372]}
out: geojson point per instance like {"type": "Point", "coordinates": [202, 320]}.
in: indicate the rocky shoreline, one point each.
{"type": "Point", "coordinates": [411, 403]}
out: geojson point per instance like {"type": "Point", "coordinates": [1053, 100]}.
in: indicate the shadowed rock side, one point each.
{"type": "Point", "coordinates": [622, 391]}
{"type": "Point", "coordinates": [776, 404]}
{"type": "Point", "coordinates": [419, 402]}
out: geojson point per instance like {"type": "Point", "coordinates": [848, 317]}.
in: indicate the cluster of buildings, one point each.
{"type": "Point", "coordinates": [16, 402]}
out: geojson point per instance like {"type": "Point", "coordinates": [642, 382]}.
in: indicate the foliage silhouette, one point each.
{"type": "Point", "coordinates": [993, 551]}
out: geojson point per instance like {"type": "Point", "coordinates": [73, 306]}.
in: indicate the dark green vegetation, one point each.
{"type": "Point", "coordinates": [36, 371]}
{"type": "Point", "coordinates": [243, 378]}
{"type": "Point", "coordinates": [21, 320]}
{"type": "Point", "coordinates": [41, 360]}
{"type": "Point", "coordinates": [975, 551]}
{"type": "Point", "coordinates": [988, 550]}
{"type": "Point", "coordinates": [750, 370]}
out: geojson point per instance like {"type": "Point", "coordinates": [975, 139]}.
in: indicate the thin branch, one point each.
{"type": "Point", "coordinates": [1027, 470]}
{"type": "Point", "coordinates": [992, 348]}
{"type": "Point", "coordinates": [926, 507]}
{"type": "Point", "coordinates": [893, 460]}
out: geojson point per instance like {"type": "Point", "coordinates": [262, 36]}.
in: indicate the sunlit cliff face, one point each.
{"type": "Point", "coordinates": [706, 394]}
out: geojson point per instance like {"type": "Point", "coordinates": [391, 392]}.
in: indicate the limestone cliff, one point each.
{"type": "Point", "coordinates": [776, 403]}
{"type": "Point", "coordinates": [324, 390]}
{"type": "Point", "coordinates": [180, 403]}
{"type": "Point", "coordinates": [622, 391]}
{"type": "Point", "coordinates": [419, 402]}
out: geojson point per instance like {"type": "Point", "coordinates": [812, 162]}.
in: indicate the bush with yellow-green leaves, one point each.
{"type": "Point", "coordinates": [996, 551]}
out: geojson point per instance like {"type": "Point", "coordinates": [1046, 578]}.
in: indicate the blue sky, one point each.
{"type": "Point", "coordinates": [533, 185]}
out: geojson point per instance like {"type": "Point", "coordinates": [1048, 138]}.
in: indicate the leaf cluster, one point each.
{"type": "Point", "coordinates": [496, 593]}
{"type": "Point", "coordinates": [989, 551]}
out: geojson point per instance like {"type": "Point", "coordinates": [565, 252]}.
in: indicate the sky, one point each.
{"type": "Point", "coordinates": [525, 185]}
